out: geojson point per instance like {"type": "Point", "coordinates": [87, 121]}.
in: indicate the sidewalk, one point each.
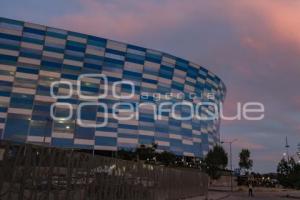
{"type": "Point", "coordinates": [292, 194]}
{"type": "Point", "coordinates": [283, 193]}
{"type": "Point", "coordinates": [212, 195]}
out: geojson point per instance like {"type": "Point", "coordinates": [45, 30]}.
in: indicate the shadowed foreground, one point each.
{"type": "Point", "coordinates": [34, 172]}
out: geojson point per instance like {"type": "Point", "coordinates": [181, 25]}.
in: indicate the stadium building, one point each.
{"type": "Point", "coordinates": [47, 75]}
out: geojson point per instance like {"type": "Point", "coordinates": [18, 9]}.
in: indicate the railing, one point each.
{"type": "Point", "coordinates": [43, 173]}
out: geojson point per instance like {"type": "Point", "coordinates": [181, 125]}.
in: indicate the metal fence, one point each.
{"type": "Point", "coordinates": [35, 172]}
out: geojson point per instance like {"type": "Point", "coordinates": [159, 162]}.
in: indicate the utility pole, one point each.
{"type": "Point", "coordinates": [298, 152]}
{"type": "Point", "coordinates": [231, 167]}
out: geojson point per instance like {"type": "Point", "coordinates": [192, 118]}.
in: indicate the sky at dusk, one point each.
{"type": "Point", "coordinates": [252, 45]}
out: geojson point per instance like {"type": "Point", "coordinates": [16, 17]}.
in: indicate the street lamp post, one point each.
{"type": "Point", "coordinates": [230, 152]}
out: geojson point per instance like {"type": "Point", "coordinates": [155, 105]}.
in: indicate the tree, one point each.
{"type": "Point", "coordinates": [215, 161]}
{"type": "Point", "coordinates": [245, 162]}
{"type": "Point", "coordinates": [166, 158]}
{"type": "Point", "coordinates": [289, 173]}
{"type": "Point", "coordinates": [144, 152]}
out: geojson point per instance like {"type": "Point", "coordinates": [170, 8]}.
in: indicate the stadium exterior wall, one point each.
{"type": "Point", "coordinates": [33, 57]}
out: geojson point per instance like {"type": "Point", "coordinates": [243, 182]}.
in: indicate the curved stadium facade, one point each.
{"type": "Point", "coordinates": [36, 59]}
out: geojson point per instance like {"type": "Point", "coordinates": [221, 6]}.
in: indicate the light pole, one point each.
{"type": "Point", "coordinates": [230, 152]}
{"type": "Point", "coordinates": [287, 146]}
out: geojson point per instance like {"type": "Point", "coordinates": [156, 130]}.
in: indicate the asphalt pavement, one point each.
{"type": "Point", "coordinates": [258, 195]}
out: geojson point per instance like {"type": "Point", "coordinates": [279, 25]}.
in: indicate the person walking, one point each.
{"type": "Point", "coordinates": [250, 187]}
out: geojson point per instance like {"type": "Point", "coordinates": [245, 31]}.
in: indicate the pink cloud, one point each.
{"type": "Point", "coordinates": [126, 19]}
{"type": "Point", "coordinates": [245, 143]}
{"type": "Point", "coordinates": [285, 19]}
{"type": "Point", "coordinates": [250, 42]}
{"type": "Point", "coordinates": [297, 128]}
{"type": "Point", "coordinates": [296, 101]}
{"type": "Point", "coordinates": [272, 157]}
{"type": "Point", "coordinates": [282, 17]}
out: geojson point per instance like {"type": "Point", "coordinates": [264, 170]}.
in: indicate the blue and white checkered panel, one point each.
{"type": "Point", "coordinates": [32, 57]}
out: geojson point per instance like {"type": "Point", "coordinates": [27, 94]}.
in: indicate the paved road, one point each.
{"type": "Point", "coordinates": [257, 196]}
{"type": "Point", "coordinates": [260, 196]}
{"type": "Point", "coordinates": [266, 195]}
